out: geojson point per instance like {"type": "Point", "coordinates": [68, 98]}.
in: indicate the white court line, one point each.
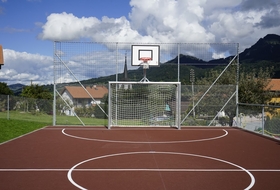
{"type": "Point", "coordinates": [97, 128]}
{"type": "Point", "coordinates": [145, 142]}
{"type": "Point", "coordinates": [69, 174]}
{"type": "Point", "coordinates": [138, 169]}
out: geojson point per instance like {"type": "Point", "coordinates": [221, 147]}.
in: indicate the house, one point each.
{"type": "Point", "coordinates": [274, 86]}
{"type": "Point", "coordinates": [77, 96]}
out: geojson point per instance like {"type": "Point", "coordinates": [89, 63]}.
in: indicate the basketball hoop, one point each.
{"type": "Point", "coordinates": [145, 59]}
{"type": "Point", "coordinates": [145, 66]}
{"type": "Point", "coordinates": [145, 62]}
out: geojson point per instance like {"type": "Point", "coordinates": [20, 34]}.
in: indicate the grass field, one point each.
{"type": "Point", "coordinates": [60, 119]}
{"type": "Point", "coordinates": [14, 124]}
{"type": "Point", "coordinates": [13, 128]}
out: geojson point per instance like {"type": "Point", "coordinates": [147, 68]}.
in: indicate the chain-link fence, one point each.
{"type": "Point", "coordinates": [21, 108]}
{"type": "Point", "coordinates": [80, 63]}
{"type": "Point", "coordinates": [200, 106]}
{"type": "Point", "coordinates": [41, 110]}
{"type": "Point", "coordinates": [217, 108]}
{"type": "Point", "coordinates": [263, 119]}
{"type": "Point", "coordinates": [204, 106]}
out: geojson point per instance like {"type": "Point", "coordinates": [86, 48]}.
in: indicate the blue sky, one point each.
{"type": "Point", "coordinates": [29, 27]}
{"type": "Point", "coordinates": [21, 20]}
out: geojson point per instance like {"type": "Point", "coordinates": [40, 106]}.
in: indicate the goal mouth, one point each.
{"type": "Point", "coordinates": [149, 104]}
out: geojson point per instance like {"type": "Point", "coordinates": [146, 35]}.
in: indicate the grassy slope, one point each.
{"type": "Point", "coordinates": [12, 128]}
{"type": "Point", "coordinates": [21, 123]}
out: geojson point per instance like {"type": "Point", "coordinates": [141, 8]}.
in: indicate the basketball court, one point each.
{"type": "Point", "coordinates": [144, 146]}
{"type": "Point", "coordinates": [140, 158]}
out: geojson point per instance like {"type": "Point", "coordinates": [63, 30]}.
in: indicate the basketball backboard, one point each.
{"type": "Point", "coordinates": [145, 51]}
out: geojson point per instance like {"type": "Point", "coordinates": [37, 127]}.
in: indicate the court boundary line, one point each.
{"type": "Point", "coordinates": [145, 142]}
{"type": "Point", "coordinates": [139, 128]}
{"type": "Point", "coordinates": [135, 169]}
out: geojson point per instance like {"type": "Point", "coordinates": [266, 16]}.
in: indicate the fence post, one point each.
{"type": "Point", "coordinates": [178, 65]}
{"type": "Point", "coordinates": [263, 119]}
{"type": "Point", "coordinates": [8, 107]}
{"type": "Point", "coordinates": [237, 107]}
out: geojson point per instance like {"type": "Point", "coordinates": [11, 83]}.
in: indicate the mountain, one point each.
{"type": "Point", "coordinates": [186, 59]}
{"type": "Point", "coordinates": [264, 53]}
{"type": "Point", "coordinates": [266, 49]}
{"type": "Point", "coordinates": [16, 88]}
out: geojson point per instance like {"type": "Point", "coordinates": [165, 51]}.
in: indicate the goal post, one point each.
{"type": "Point", "coordinates": [144, 104]}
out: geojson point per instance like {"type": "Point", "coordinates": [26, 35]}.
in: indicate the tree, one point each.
{"type": "Point", "coordinates": [36, 91]}
{"type": "Point", "coordinates": [98, 113]}
{"type": "Point", "coordinates": [252, 88]}
{"type": "Point", "coordinates": [39, 99]}
{"type": "Point", "coordinates": [5, 90]}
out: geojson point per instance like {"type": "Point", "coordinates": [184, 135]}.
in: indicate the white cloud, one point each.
{"type": "Point", "coordinates": [150, 21]}
{"type": "Point", "coordinates": [67, 27]}
{"type": "Point", "coordinates": [154, 21]}
{"type": "Point", "coordinates": [22, 67]}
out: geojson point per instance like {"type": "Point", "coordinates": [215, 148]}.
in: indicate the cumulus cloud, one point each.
{"type": "Point", "coordinates": [151, 21]}
{"type": "Point", "coordinates": [270, 19]}
{"type": "Point", "coordinates": [258, 4]}
{"type": "Point", "coordinates": [22, 67]}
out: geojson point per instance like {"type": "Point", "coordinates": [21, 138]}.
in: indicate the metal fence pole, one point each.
{"type": "Point", "coordinates": [54, 86]}
{"type": "Point", "coordinates": [263, 119]}
{"type": "Point", "coordinates": [178, 54]}
{"type": "Point", "coordinates": [237, 108]}
{"type": "Point", "coordinates": [8, 107]}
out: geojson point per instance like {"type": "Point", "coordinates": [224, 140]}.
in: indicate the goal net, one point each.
{"type": "Point", "coordinates": [144, 104]}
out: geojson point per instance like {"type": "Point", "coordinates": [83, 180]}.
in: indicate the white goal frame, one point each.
{"type": "Point", "coordinates": [118, 89]}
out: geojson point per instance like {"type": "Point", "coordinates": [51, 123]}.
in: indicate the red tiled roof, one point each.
{"type": "Point", "coordinates": [79, 92]}
{"type": "Point", "coordinates": [274, 85]}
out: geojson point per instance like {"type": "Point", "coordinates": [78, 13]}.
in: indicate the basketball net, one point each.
{"type": "Point", "coordinates": [145, 66]}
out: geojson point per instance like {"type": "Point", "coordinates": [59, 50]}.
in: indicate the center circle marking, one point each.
{"type": "Point", "coordinates": [69, 174]}
{"type": "Point", "coordinates": [147, 142]}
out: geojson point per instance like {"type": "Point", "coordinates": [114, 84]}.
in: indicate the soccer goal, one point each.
{"type": "Point", "coordinates": [144, 104]}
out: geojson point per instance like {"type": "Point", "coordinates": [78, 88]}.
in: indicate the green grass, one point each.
{"type": "Point", "coordinates": [60, 119]}
{"type": "Point", "coordinates": [20, 123]}
{"type": "Point", "coordinates": [27, 116]}
{"type": "Point", "coordinates": [12, 128]}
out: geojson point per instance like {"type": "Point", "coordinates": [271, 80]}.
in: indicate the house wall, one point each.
{"type": "Point", "coordinates": [67, 96]}
{"type": "Point", "coordinates": [274, 100]}
{"type": "Point", "coordinates": [77, 103]}
{"type": "Point", "coordinates": [66, 110]}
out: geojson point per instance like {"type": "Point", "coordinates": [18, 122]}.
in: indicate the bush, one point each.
{"type": "Point", "coordinates": [98, 113]}
{"type": "Point", "coordinates": [272, 125]}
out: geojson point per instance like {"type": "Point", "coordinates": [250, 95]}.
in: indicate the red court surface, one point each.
{"type": "Point", "coordinates": [140, 158]}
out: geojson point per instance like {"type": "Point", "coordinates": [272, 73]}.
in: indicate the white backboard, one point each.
{"type": "Point", "coordinates": [138, 51]}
